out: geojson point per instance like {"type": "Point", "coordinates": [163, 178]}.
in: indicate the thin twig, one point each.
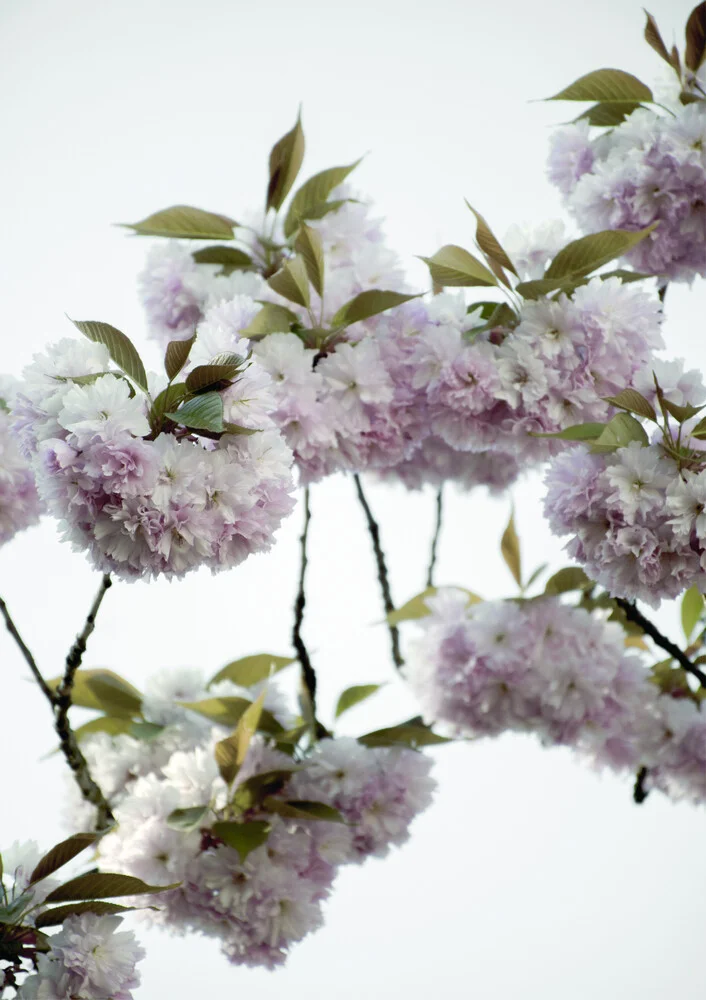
{"type": "Point", "coordinates": [639, 792]}
{"type": "Point", "coordinates": [633, 615]}
{"type": "Point", "coordinates": [308, 672]}
{"type": "Point", "coordinates": [69, 744]}
{"type": "Point", "coordinates": [435, 539]}
{"type": "Point", "coordinates": [29, 659]}
{"type": "Point", "coordinates": [383, 577]}
{"type": "Point", "coordinates": [60, 702]}
{"type": "Point", "coordinates": [662, 291]}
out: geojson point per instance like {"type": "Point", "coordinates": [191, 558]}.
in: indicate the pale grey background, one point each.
{"type": "Point", "coordinates": [532, 876]}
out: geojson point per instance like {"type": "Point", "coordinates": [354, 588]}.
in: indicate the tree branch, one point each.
{"type": "Point", "coordinates": [639, 792]}
{"type": "Point", "coordinates": [308, 672]}
{"type": "Point", "coordinates": [633, 615]}
{"type": "Point", "coordinates": [383, 577]}
{"type": "Point", "coordinates": [62, 703]}
{"type": "Point", "coordinates": [435, 539]}
{"type": "Point", "coordinates": [29, 659]}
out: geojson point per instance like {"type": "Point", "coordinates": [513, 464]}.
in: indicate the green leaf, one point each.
{"type": "Point", "coordinates": [228, 711]}
{"type": "Point", "coordinates": [93, 377]}
{"type": "Point", "coordinates": [367, 304]}
{"type": "Point", "coordinates": [543, 286]}
{"type": "Point", "coordinates": [308, 244]}
{"type": "Point", "coordinates": [493, 251]}
{"type": "Point", "coordinates": [99, 907]}
{"type": "Point", "coordinates": [120, 348]}
{"type": "Point", "coordinates": [308, 201]}
{"type": "Point", "coordinates": [167, 401]}
{"type": "Point", "coordinates": [103, 690]}
{"type": "Point", "coordinates": [696, 38]}
{"type": "Point", "coordinates": [680, 413]}
{"type": "Point", "coordinates": [185, 223]}
{"type": "Point", "coordinates": [61, 854]}
{"type": "Point", "coordinates": [271, 319]}
{"type": "Point", "coordinates": [229, 258]}
{"type": "Point", "coordinates": [325, 208]}
{"type": "Point", "coordinates": [304, 809]}
{"type": "Point", "coordinates": [535, 574]}
{"type": "Point", "coordinates": [354, 695]}
{"type": "Point", "coordinates": [213, 377]}
{"type": "Point", "coordinates": [176, 356]}
{"type": "Point", "coordinates": [285, 161]}
{"type": "Point", "coordinates": [608, 115]}
{"type": "Point", "coordinates": [605, 86]}
{"type": "Point", "coordinates": [247, 727]}
{"type": "Point", "coordinates": [577, 432]}
{"type": "Point", "coordinates": [569, 578]}
{"type": "Point", "coordinates": [502, 315]}
{"type": "Point", "coordinates": [510, 549]}
{"type": "Point", "coordinates": [292, 282]}
{"type": "Point", "coordinates": [251, 670]}
{"type": "Point", "coordinates": [252, 792]}
{"type": "Point", "coordinates": [226, 756]}
{"type": "Point", "coordinates": [203, 413]}
{"type": "Point", "coordinates": [699, 431]}
{"type": "Point", "coordinates": [584, 255]}
{"type": "Point", "coordinates": [452, 266]}
{"type": "Point", "coordinates": [146, 731]}
{"type": "Point", "coordinates": [416, 607]}
{"type": "Point", "coordinates": [634, 402]}
{"type": "Point", "coordinates": [686, 97]}
{"type": "Point", "coordinates": [187, 819]}
{"type": "Point", "coordinates": [692, 605]}
{"type": "Point", "coordinates": [97, 885]}
{"type": "Point", "coordinates": [413, 733]}
{"type": "Point", "coordinates": [243, 837]}
{"type": "Point", "coordinates": [619, 432]}
{"type": "Point", "coordinates": [104, 724]}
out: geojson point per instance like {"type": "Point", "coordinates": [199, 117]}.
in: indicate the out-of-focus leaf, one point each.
{"type": "Point", "coordinates": [510, 549]}
{"type": "Point", "coordinates": [243, 837]}
{"type": "Point", "coordinates": [692, 606]}
{"type": "Point", "coordinates": [285, 161]}
{"type": "Point", "coordinates": [354, 695]}
{"type": "Point", "coordinates": [251, 670]}
{"type": "Point", "coordinates": [187, 819]}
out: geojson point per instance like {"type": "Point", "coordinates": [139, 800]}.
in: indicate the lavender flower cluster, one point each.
{"type": "Point", "coordinates": [635, 514]}
{"type": "Point", "coordinates": [143, 505]}
{"type": "Point", "coordinates": [562, 674]}
{"type": "Point", "coordinates": [19, 503]}
{"type": "Point", "coordinates": [649, 169]}
{"type": "Point", "coordinates": [260, 902]}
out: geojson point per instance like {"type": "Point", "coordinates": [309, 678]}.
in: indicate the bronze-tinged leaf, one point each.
{"type": "Point", "coordinates": [61, 854]}
{"type": "Point", "coordinates": [309, 246]}
{"type": "Point", "coordinates": [120, 347]}
{"type": "Point", "coordinates": [176, 356]}
{"type": "Point", "coordinates": [213, 376]}
{"type": "Point", "coordinates": [608, 115]}
{"type": "Point", "coordinates": [229, 258]}
{"type": "Point", "coordinates": [285, 161]}
{"type": "Point", "coordinates": [605, 85]}
{"type": "Point", "coordinates": [490, 245]}
{"type": "Point", "coordinates": [510, 548]}
{"type": "Point", "coordinates": [184, 222]}
{"type": "Point", "coordinates": [654, 38]}
{"type": "Point", "coordinates": [580, 257]}
{"type": "Point", "coordinates": [696, 38]}
{"type": "Point", "coordinates": [97, 885]}
{"type": "Point", "coordinates": [634, 402]}
{"type": "Point", "coordinates": [99, 907]}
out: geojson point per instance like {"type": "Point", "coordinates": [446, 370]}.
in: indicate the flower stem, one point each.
{"type": "Point", "coordinates": [308, 672]}
{"type": "Point", "coordinates": [435, 539]}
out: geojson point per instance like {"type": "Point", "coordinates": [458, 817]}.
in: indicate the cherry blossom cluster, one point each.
{"type": "Point", "coordinates": [88, 958]}
{"type": "Point", "coordinates": [563, 674]}
{"type": "Point", "coordinates": [144, 494]}
{"type": "Point", "coordinates": [649, 169]}
{"type": "Point", "coordinates": [255, 852]}
{"type": "Point", "coordinates": [635, 513]}
{"type": "Point", "coordinates": [19, 503]}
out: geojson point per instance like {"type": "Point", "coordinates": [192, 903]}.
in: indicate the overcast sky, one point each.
{"type": "Point", "coordinates": [531, 876]}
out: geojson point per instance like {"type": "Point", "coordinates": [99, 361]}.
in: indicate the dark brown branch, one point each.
{"type": "Point", "coordinates": [29, 659]}
{"type": "Point", "coordinates": [662, 292]}
{"type": "Point", "coordinates": [62, 703]}
{"type": "Point", "coordinates": [639, 792]}
{"type": "Point", "coordinates": [308, 672]}
{"type": "Point", "coordinates": [633, 615]}
{"type": "Point", "coordinates": [435, 539]}
{"type": "Point", "coordinates": [383, 577]}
